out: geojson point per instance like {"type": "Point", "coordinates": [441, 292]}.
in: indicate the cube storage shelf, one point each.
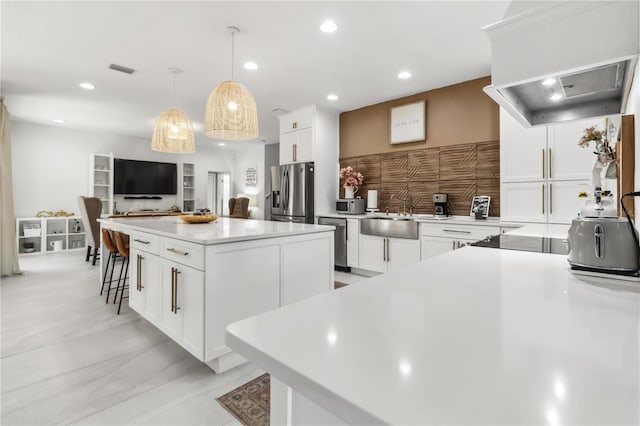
{"type": "Point", "coordinates": [38, 234]}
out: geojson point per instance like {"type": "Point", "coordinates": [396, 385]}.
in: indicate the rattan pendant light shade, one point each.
{"type": "Point", "coordinates": [173, 133]}
{"type": "Point", "coordinates": [231, 110]}
{"type": "Point", "coordinates": [231, 113]}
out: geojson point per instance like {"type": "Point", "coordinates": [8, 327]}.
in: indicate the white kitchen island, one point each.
{"type": "Point", "coordinates": [192, 280]}
{"type": "Point", "coordinates": [474, 336]}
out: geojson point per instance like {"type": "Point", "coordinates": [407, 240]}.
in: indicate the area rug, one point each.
{"type": "Point", "coordinates": [250, 403]}
{"type": "Point", "coordinates": [338, 284]}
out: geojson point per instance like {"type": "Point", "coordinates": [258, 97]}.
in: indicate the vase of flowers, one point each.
{"type": "Point", "coordinates": [602, 149]}
{"type": "Point", "coordinates": [352, 180]}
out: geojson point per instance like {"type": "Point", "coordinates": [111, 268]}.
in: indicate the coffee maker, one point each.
{"type": "Point", "coordinates": [440, 202]}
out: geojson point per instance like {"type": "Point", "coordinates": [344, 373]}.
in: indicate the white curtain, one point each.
{"type": "Point", "coordinates": [8, 247]}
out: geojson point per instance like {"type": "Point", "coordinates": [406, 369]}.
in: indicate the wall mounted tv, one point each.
{"type": "Point", "coordinates": [133, 177]}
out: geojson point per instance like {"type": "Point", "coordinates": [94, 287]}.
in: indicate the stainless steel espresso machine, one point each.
{"type": "Point", "coordinates": [440, 202]}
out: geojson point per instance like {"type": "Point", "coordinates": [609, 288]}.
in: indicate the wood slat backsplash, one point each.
{"type": "Point", "coordinates": [462, 171]}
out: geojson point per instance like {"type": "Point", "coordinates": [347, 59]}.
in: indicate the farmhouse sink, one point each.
{"type": "Point", "coordinates": [390, 226]}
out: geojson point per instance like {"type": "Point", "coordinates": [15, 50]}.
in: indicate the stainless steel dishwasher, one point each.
{"type": "Point", "coordinates": [340, 241]}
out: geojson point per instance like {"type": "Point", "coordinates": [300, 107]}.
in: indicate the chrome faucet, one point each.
{"type": "Point", "coordinates": [404, 204]}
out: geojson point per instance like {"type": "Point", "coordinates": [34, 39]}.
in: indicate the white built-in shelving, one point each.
{"type": "Point", "coordinates": [188, 187]}
{"type": "Point", "coordinates": [101, 180]}
{"type": "Point", "coordinates": [40, 234]}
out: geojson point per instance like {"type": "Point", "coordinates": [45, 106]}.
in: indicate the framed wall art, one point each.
{"type": "Point", "coordinates": [408, 123]}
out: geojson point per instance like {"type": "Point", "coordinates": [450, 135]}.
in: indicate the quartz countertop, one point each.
{"type": "Point", "coordinates": [429, 218]}
{"type": "Point", "coordinates": [222, 230]}
{"type": "Point", "coordinates": [474, 336]}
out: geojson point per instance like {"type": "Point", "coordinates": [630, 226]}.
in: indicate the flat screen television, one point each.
{"type": "Point", "coordinates": [133, 177]}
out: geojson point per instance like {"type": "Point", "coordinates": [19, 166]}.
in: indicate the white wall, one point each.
{"type": "Point", "coordinates": [51, 166]}
{"type": "Point", "coordinates": [251, 156]}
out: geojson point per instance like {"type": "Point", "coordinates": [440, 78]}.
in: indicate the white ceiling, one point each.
{"type": "Point", "coordinates": [49, 47]}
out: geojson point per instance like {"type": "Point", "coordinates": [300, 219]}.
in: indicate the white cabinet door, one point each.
{"type": "Point", "coordinates": [296, 147]}
{"type": "Point", "coordinates": [145, 293]}
{"type": "Point", "coordinates": [353, 240]}
{"type": "Point", "coordinates": [183, 306]}
{"type": "Point", "coordinates": [297, 120]}
{"type": "Point", "coordinates": [434, 246]}
{"type": "Point", "coordinates": [287, 140]}
{"type": "Point", "coordinates": [300, 258]}
{"type": "Point", "coordinates": [372, 253]}
{"type": "Point", "coordinates": [566, 159]}
{"type": "Point", "coordinates": [402, 252]}
{"type": "Point", "coordinates": [523, 202]}
{"type": "Point", "coordinates": [303, 150]}
{"type": "Point", "coordinates": [522, 151]}
{"type": "Point", "coordinates": [564, 203]}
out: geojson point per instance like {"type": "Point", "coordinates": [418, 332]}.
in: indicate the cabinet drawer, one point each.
{"type": "Point", "coordinates": [459, 232]}
{"type": "Point", "coordinates": [189, 254]}
{"type": "Point", "coordinates": [296, 120]}
{"type": "Point", "coordinates": [145, 242]}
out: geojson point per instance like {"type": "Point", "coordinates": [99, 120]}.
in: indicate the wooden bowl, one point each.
{"type": "Point", "coordinates": [204, 218]}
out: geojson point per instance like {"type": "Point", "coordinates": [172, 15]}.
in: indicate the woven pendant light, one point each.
{"type": "Point", "coordinates": [173, 132]}
{"type": "Point", "coordinates": [231, 110]}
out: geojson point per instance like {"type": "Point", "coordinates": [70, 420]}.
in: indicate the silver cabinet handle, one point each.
{"type": "Point", "coordinates": [139, 285]}
{"type": "Point", "coordinates": [388, 254]}
{"type": "Point", "coordinates": [183, 253]}
{"type": "Point", "coordinates": [543, 198]}
{"type": "Point", "coordinates": [174, 290]}
{"type": "Point", "coordinates": [456, 231]}
{"type": "Point", "coordinates": [550, 197]}
{"type": "Point", "coordinates": [384, 250]}
{"type": "Point", "coordinates": [598, 234]}
{"type": "Point", "coordinates": [295, 152]}
{"type": "Point", "coordinates": [453, 245]}
{"type": "Point", "coordinates": [550, 165]}
{"type": "Point", "coordinates": [140, 241]}
{"type": "Point", "coordinates": [544, 175]}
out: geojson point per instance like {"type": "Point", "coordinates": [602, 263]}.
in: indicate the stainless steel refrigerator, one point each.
{"type": "Point", "coordinates": [292, 193]}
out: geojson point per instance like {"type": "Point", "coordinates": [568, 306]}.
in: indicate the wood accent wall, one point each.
{"type": "Point", "coordinates": [458, 114]}
{"type": "Point", "coordinates": [462, 171]}
{"type": "Point", "coordinates": [625, 157]}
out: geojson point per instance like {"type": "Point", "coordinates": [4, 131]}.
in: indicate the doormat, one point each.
{"type": "Point", "coordinates": [250, 403]}
{"type": "Point", "coordinates": [338, 284]}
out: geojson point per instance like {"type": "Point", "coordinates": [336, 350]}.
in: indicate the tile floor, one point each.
{"type": "Point", "coordinates": [67, 358]}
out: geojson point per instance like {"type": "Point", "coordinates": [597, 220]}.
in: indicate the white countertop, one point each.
{"type": "Point", "coordinates": [222, 230]}
{"type": "Point", "coordinates": [429, 218]}
{"type": "Point", "coordinates": [474, 336]}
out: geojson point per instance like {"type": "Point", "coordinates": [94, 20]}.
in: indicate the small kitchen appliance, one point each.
{"type": "Point", "coordinates": [440, 202]}
{"type": "Point", "coordinates": [350, 206]}
{"type": "Point", "coordinates": [602, 242]}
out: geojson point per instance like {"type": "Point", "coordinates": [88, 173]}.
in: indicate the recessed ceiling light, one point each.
{"type": "Point", "coordinates": [555, 97]}
{"type": "Point", "coordinates": [221, 143]}
{"type": "Point", "coordinates": [548, 81]}
{"type": "Point", "coordinates": [332, 97]}
{"type": "Point", "coordinates": [251, 65]}
{"type": "Point", "coordinates": [404, 75]}
{"type": "Point", "coordinates": [88, 86]}
{"type": "Point", "coordinates": [57, 120]}
{"type": "Point", "coordinates": [328, 27]}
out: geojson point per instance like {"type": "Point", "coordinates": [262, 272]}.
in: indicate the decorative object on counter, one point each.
{"type": "Point", "coordinates": [602, 149]}
{"type": "Point", "coordinates": [372, 200]}
{"type": "Point", "coordinates": [480, 206]}
{"type": "Point", "coordinates": [407, 123]}
{"type": "Point", "coordinates": [231, 110]}
{"type": "Point", "coordinates": [173, 131]}
{"type": "Point", "coordinates": [198, 218]}
{"type": "Point", "coordinates": [59, 213]}
{"type": "Point", "coordinates": [251, 402]}
{"type": "Point", "coordinates": [352, 180]}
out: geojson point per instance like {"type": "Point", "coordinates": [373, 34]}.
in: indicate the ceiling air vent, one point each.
{"type": "Point", "coordinates": [121, 68]}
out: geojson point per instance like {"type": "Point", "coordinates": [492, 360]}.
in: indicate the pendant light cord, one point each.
{"type": "Point", "coordinates": [232, 56]}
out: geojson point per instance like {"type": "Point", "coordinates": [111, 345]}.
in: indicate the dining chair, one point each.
{"type": "Point", "coordinates": [90, 210]}
{"type": "Point", "coordinates": [239, 208]}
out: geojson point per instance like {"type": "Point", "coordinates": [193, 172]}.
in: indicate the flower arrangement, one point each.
{"type": "Point", "coordinates": [351, 177]}
{"type": "Point", "coordinates": [590, 134]}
